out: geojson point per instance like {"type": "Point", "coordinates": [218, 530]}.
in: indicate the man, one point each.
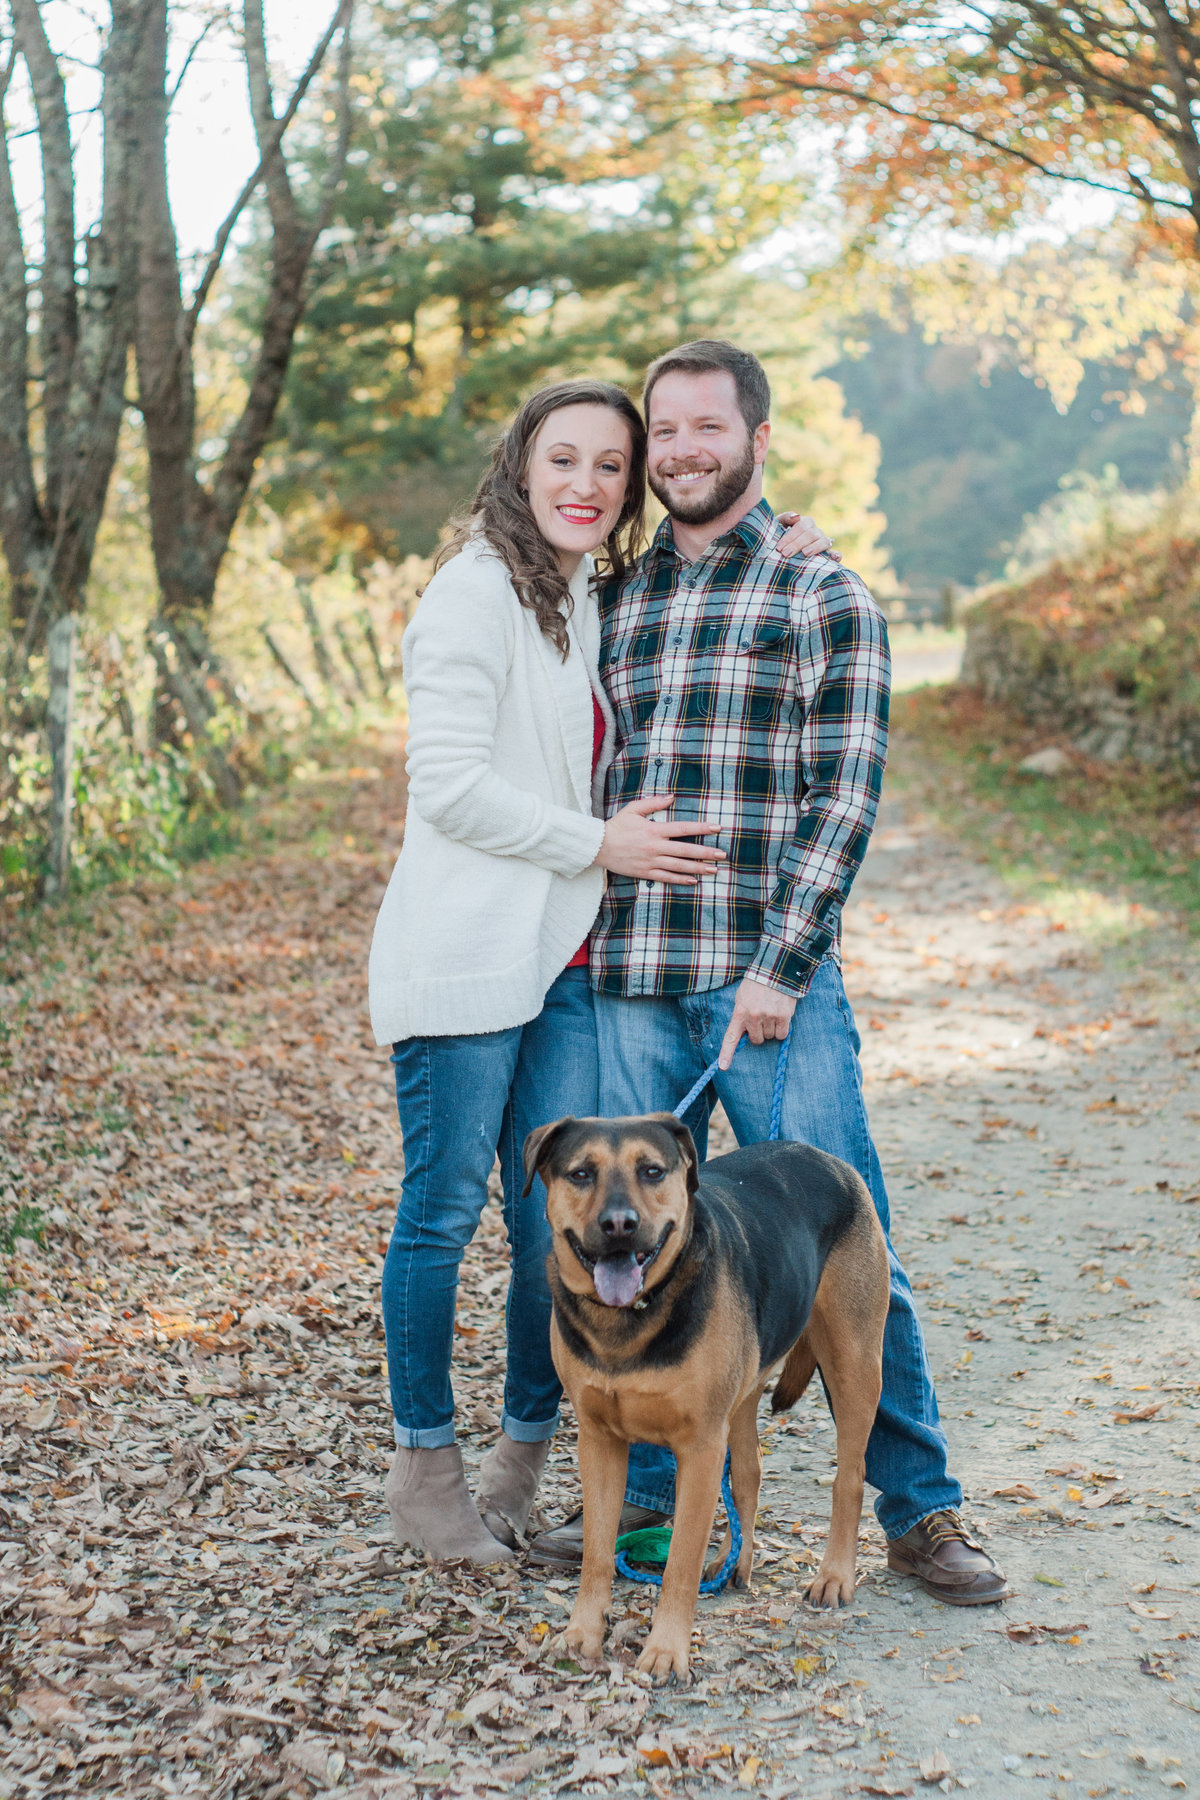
{"type": "Point", "coordinates": [752, 688]}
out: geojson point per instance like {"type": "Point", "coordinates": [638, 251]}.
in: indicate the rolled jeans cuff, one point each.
{"type": "Point", "coordinates": [436, 1437]}
{"type": "Point", "coordinates": [661, 1502]}
{"type": "Point", "coordinates": [951, 1504]}
{"type": "Point", "coordinates": [522, 1432]}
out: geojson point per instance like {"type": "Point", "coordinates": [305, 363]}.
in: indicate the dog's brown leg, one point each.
{"type": "Point", "coordinates": [603, 1464]}
{"type": "Point", "coordinates": [697, 1485]}
{"type": "Point", "coordinates": [846, 1335]}
{"type": "Point", "coordinates": [745, 1475]}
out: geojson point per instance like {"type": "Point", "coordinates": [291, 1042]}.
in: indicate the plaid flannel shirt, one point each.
{"type": "Point", "coordinates": [753, 687]}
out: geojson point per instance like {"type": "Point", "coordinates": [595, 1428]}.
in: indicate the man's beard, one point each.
{"type": "Point", "coordinates": [732, 480]}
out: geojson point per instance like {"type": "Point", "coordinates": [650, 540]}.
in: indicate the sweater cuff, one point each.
{"type": "Point", "coordinates": [574, 844]}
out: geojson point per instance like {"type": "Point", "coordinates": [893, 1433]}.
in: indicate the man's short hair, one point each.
{"type": "Point", "coordinates": [706, 354]}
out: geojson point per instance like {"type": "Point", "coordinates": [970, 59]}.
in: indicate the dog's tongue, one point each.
{"type": "Point", "coordinates": [618, 1279]}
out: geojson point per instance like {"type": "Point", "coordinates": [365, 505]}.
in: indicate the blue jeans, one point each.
{"type": "Point", "coordinates": [461, 1100]}
{"type": "Point", "coordinates": [651, 1051]}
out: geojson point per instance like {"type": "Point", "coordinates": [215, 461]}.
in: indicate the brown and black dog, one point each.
{"type": "Point", "coordinates": [678, 1291]}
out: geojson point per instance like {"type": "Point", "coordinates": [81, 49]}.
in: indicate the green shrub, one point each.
{"type": "Point", "coordinates": [137, 811]}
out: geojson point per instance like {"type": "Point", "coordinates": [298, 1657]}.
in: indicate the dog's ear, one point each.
{"type": "Point", "coordinates": [687, 1147]}
{"type": "Point", "coordinates": [538, 1146]}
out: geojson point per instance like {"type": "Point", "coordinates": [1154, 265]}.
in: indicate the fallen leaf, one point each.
{"type": "Point", "coordinates": [1132, 1416]}
{"type": "Point", "coordinates": [1031, 1633]}
{"type": "Point", "coordinates": [1148, 1612]}
{"type": "Point", "coordinates": [49, 1709]}
{"type": "Point", "coordinates": [748, 1773]}
{"type": "Point", "coordinates": [1019, 1490]}
{"type": "Point", "coordinates": [310, 1755]}
{"type": "Point", "coordinates": [655, 1753]}
{"type": "Point", "coordinates": [934, 1766]}
{"type": "Point", "coordinates": [105, 1608]}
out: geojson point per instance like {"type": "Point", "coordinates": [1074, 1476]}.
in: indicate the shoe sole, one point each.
{"type": "Point", "coordinates": [555, 1558]}
{"type": "Point", "coordinates": [951, 1596]}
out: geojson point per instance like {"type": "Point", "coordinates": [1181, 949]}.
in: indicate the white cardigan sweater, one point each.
{"type": "Point", "coordinates": [496, 886]}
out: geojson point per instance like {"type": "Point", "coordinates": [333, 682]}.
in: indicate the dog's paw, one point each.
{"type": "Point", "coordinates": [831, 1588]}
{"type": "Point", "coordinates": [584, 1640]}
{"type": "Point", "coordinates": [664, 1661]}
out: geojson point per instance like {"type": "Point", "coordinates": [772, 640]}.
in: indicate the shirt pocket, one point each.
{"type": "Point", "coordinates": [742, 672]}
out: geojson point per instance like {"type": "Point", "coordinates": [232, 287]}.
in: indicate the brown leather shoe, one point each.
{"type": "Point", "coordinates": [949, 1565]}
{"type": "Point", "coordinates": [563, 1547]}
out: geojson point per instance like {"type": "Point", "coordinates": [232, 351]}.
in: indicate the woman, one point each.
{"type": "Point", "coordinates": [478, 968]}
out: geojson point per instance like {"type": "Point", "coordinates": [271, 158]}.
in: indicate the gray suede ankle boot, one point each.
{"type": "Point", "coordinates": [508, 1480]}
{"type": "Point", "coordinates": [431, 1508]}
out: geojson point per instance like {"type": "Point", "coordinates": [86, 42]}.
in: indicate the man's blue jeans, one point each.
{"type": "Point", "coordinates": [651, 1051]}
{"type": "Point", "coordinates": [461, 1100]}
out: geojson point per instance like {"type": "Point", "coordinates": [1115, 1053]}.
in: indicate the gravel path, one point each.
{"type": "Point", "coordinates": [1036, 1106]}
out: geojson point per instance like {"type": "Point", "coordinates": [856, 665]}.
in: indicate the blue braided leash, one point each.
{"type": "Point", "coordinates": [781, 1065]}
{"type": "Point", "coordinates": [720, 1580]}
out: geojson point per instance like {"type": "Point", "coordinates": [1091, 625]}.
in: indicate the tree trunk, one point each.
{"type": "Point", "coordinates": [191, 523]}
{"type": "Point", "coordinates": [81, 331]}
{"type": "Point", "coordinates": [60, 728]}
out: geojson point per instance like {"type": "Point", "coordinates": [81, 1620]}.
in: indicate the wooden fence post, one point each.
{"type": "Point", "coordinates": [197, 710]}
{"type": "Point", "coordinates": [321, 654]}
{"type": "Point", "coordinates": [282, 662]}
{"type": "Point", "coordinates": [372, 643]}
{"type": "Point", "coordinates": [60, 729]}
{"type": "Point", "coordinates": [348, 656]}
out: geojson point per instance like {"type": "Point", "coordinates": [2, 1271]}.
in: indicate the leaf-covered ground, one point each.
{"type": "Point", "coordinates": [197, 1584]}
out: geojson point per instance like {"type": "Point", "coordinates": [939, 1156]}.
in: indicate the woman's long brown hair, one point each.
{"type": "Point", "coordinates": [501, 510]}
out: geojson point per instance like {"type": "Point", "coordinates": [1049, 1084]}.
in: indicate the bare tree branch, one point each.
{"type": "Point", "coordinates": [785, 82]}
{"type": "Point", "coordinates": [280, 198]}
{"type": "Point", "coordinates": [187, 61]}
{"type": "Point", "coordinates": [269, 145]}
{"type": "Point", "coordinates": [290, 258]}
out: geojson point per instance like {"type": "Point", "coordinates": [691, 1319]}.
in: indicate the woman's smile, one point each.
{"type": "Point", "coordinates": [577, 479]}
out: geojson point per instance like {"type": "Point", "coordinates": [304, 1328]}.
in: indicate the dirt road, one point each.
{"type": "Point", "coordinates": [1037, 1107]}
{"type": "Point", "coordinates": [195, 1575]}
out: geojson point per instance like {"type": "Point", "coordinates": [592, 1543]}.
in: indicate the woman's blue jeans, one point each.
{"type": "Point", "coordinates": [462, 1100]}
{"type": "Point", "coordinates": [651, 1051]}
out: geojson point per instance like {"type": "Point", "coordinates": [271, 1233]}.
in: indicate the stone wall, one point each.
{"type": "Point", "coordinates": [1040, 675]}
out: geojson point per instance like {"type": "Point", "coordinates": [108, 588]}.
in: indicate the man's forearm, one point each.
{"type": "Point", "coordinates": [804, 913]}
